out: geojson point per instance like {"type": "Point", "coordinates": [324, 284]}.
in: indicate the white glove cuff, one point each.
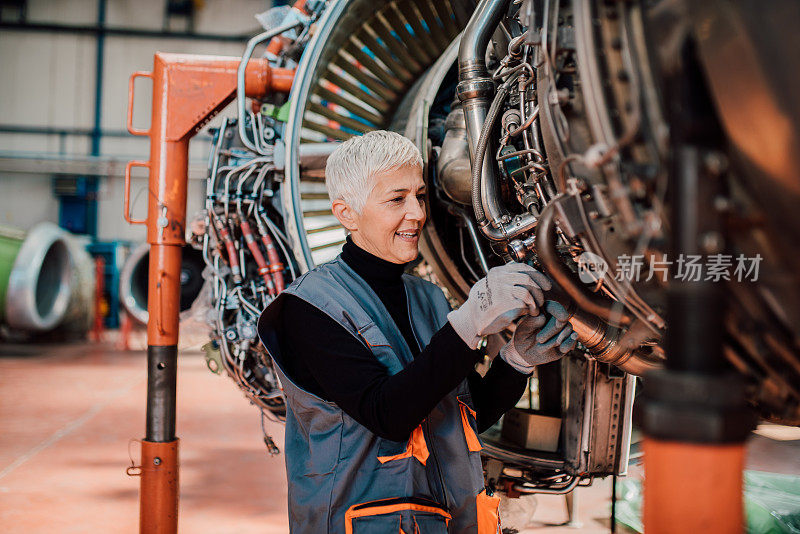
{"type": "Point", "coordinates": [515, 360]}
{"type": "Point", "coordinates": [462, 324]}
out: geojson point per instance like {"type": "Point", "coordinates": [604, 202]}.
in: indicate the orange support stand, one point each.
{"type": "Point", "coordinates": [691, 487]}
{"type": "Point", "coordinates": [188, 91]}
{"type": "Point", "coordinates": [693, 412]}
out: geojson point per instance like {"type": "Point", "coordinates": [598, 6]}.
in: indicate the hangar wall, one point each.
{"type": "Point", "coordinates": [47, 113]}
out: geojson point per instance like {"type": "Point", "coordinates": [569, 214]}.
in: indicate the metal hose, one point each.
{"type": "Point", "coordinates": [480, 153]}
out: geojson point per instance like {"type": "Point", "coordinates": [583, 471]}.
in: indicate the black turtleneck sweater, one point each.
{"type": "Point", "coordinates": [335, 366]}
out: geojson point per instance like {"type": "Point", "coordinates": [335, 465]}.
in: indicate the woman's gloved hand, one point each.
{"type": "Point", "coordinates": [535, 342]}
{"type": "Point", "coordinates": [495, 301]}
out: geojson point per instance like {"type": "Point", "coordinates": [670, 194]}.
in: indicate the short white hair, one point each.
{"type": "Point", "coordinates": [351, 167]}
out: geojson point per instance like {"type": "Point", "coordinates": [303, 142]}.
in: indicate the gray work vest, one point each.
{"type": "Point", "coordinates": [345, 479]}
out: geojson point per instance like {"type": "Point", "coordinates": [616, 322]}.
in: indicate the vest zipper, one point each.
{"type": "Point", "coordinates": [427, 423]}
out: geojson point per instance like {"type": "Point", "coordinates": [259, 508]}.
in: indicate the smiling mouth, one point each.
{"type": "Point", "coordinates": [408, 235]}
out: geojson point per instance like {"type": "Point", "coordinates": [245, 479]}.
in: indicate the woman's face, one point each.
{"type": "Point", "coordinates": [391, 221]}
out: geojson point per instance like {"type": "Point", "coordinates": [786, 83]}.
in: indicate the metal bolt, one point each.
{"type": "Point", "coordinates": [156, 461]}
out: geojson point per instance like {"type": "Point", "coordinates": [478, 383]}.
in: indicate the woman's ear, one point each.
{"type": "Point", "coordinates": [346, 215]}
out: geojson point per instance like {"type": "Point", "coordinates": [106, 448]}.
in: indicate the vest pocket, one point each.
{"type": "Point", "coordinates": [429, 524]}
{"type": "Point", "coordinates": [385, 516]}
{"type": "Point", "coordinates": [372, 336]}
{"type": "Point", "coordinates": [470, 424]}
{"type": "Point", "coordinates": [488, 513]}
{"type": "Point", "coordinates": [377, 524]}
{"type": "Point", "coordinates": [416, 447]}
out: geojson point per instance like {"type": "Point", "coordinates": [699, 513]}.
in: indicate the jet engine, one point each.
{"type": "Point", "coordinates": [549, 131]}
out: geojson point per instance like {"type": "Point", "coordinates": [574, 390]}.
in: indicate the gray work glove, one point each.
{"type": "Point", "coordinates": [495, 301]}
{"type": "Point", "coordinates": [535, 342]}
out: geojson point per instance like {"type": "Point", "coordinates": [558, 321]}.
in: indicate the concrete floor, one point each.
{"type": "Point", "coordinates": [70, 413]}
{"type": "Point", "coordinates": [67, 418]}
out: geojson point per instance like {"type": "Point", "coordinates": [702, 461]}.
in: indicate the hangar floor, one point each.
{"type": "Point", "coordinates": [68, 414]}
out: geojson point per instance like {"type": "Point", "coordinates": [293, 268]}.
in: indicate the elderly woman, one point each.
{"type": "Point", "coordinates": [384, 406]}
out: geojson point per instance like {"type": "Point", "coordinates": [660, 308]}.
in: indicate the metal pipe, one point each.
{"type": "Point", "coordinates": [571, 485]}
{"type": "Point", "coordinates": [98, 79]}
{"type": "Point", "coordinates": [162, 372]}
{"type": "Point", "coordinates": [623, 349]}
{"type": "Point", "coordinates": [240, 80]}
{"type": "Point", "coordinates": [120, 32]}
{"type": "Point", "coordinates": [47, 130]}
{"type": "Point", "coordinates": [474, 89]}
{"type": "Point", "coordinates": [592, 303]}
{"type": "Point", "coordinates": [473, 236]}
{"type": "Point", "coordinates": [481, 26]}
{"type": "Point", "coordinates": [484, 185]}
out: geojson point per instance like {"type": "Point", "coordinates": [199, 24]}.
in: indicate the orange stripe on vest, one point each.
{"type": "Point", "coordinates": [416, 447]}
{"type": "Point", "coordinates": [473, 443]}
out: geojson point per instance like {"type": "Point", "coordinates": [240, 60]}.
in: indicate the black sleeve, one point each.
{"type": "Point", "coordinates": [496, 393]}
{"type": "Point", "coordinates": [348, 374]}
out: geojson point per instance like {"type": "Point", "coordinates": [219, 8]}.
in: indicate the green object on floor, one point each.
{"type": "Point", "coordinates": [10, 242]}
{"type": "Point", "coordinates": [771, 503]}
{"type": "Point", "coordinates": [629, 504]}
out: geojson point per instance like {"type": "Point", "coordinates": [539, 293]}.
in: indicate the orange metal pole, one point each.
{"type": "Point", "coordinates": [188, 91]}
{"type": "Point", "coordinates": [693, 412]}
{"type": "Point", "coordinates": [159, 490]}
{"type": "Point", "coordinates": [690, 487]}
